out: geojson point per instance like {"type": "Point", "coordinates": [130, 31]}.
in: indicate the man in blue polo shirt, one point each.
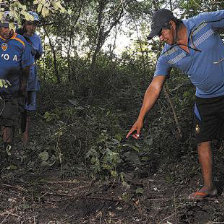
{"type": "Point", "coordinates": [194, 47]}
{"type": "Point", "coordinates": [15, 62]}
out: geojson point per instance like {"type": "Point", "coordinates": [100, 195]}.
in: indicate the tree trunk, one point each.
{"type": "Point", "coordinates": [102, 33]}
{"type": "Point", "coordinates": [71, 33]}
{"type": "Point", "coordinates": [54, 56]}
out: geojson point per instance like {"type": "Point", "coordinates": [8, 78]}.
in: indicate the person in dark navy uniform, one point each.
{"type": "Point", "coordinates": [15, 62]}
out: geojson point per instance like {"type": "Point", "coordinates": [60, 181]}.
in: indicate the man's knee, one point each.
{"type": "Point", "coordinates": [204, 144]}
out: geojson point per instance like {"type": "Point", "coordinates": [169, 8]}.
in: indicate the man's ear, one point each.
{"type": "Point", "coordinates": [172, 24]}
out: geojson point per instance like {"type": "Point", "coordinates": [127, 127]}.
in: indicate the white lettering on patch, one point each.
{"type": "Point", "coordinates": [5, 56]}
{"type": "Point", "coordinates": [15, 58]}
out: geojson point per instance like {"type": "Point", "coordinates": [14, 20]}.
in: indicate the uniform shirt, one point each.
{"type": "Point", "coordinates": [36, 43]}
{"type": "Point", "coordinates": [200, 63]}
{"type": "Point", "coordinates": [15, 56]}
{"type": "Point", "coordinates": [36, 47]}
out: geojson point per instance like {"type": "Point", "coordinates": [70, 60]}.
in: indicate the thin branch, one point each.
{"type": "Point", "coordinates": [5, 219]}
{"type": "Point", "coordinates": [165, 89]}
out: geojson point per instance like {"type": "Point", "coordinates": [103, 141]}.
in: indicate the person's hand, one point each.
{"type": "Point", "coordinates": [4, 83]}
{"type": "Point", "coordinates": [135, 130]}
{"type": "Point", "coordinates": [33, 51]}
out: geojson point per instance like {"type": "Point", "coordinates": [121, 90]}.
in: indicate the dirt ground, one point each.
{"type": "Point", "coordinates": [45, 196]}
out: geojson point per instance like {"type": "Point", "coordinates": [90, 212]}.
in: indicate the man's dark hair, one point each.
{"type": "Point", "coordinates": [178, 23]}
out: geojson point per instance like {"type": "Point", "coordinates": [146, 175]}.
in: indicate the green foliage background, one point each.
{"type": "Point", "coordinates": [90, 96]}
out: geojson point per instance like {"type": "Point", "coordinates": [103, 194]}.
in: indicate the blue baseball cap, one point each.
{"type": "Point", "coordinates": [4, 24]}
{"type": "Point", "coordinates": [6, 19]}
{"type": "Point", "coordinates": [35, 16]}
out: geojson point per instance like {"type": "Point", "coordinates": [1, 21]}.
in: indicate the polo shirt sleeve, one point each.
{"type": "Point", "coordinates": [27, 58]}
{"type": "Point", "coordinates": [215, 19]}
{"type": "Point", "coordinates": [162, 67]}
{"type": "Point", "coordinates": [40, 49]}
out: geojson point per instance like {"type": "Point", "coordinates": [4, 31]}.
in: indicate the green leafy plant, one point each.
{"type": "Point", "coordinates": [105, 155]}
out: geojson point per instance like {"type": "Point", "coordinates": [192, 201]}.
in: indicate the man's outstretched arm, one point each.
{"type": "Point", "coordinates": [151, 95]}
